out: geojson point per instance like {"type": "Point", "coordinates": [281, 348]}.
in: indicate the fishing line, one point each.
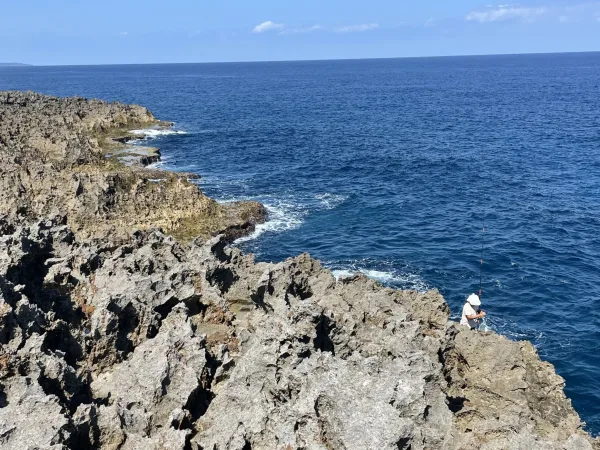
{"type": "Point", "coordinates": [481, 259]}
{"type": "Point", "coordinates": [483, 326]}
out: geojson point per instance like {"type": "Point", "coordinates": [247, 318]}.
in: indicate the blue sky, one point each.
{"type": "Point", "coordinates": [125, 31]}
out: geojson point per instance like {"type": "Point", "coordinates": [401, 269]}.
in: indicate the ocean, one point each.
{"type": "Point", "coordinates": [392, 167]}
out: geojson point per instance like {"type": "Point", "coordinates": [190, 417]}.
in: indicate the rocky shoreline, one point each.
{"type": "Point", "coordinates": [54, 162]}
{"type": "Point", "coordinates": [126, 321]}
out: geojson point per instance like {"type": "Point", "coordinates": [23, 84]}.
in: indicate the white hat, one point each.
{"type": "Point", "coordinates": [473, 299]}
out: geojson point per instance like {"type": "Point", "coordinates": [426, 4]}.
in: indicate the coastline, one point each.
{"type": "Point", "coordinates": [240, 353]}
{"type": "Point", "coordinates": [67, 143]}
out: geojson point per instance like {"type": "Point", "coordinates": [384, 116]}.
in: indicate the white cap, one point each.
{"type": "Point", "coordinates": [473, 299]}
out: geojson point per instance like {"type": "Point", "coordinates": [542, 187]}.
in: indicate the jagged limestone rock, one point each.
{"type": "Point", "coordinates": [126, 339]}
{"type": "Point", "coordinates": [154, 344]}
{"type": "Point", "coordinates": [53, 161]}
{"type": "Point", "coordinates": [163, 375]}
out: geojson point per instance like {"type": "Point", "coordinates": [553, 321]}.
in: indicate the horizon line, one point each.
{"type": "Point", "coordinates": [24, 65]}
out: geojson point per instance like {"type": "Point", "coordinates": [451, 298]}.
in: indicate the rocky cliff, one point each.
{"type": "Point", "coordinates": [115, 335]}
{"type": "Point", "coordinates": [55, 159]}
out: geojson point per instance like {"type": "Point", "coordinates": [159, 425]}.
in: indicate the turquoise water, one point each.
{"type": "Point", "coordinates": [389, 167]}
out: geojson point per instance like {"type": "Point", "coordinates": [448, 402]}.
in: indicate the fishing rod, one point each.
{"type": "Point", "coordinates": [483, 326]}
{"type": "Point", "coordinates": [481, 259]}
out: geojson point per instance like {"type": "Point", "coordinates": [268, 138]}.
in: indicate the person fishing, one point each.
{"type": "Point", "coordinates": [472, 312]}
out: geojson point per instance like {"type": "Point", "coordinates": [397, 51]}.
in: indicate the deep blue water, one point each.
{"type": "Point", "coordinates": [390, 167]}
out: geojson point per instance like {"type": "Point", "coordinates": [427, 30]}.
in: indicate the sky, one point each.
{"type": "Point", "coordinates": [62, 32]}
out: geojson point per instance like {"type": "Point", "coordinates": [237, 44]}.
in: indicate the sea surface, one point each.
{"type": "Point", "coordinates": [392, 167]}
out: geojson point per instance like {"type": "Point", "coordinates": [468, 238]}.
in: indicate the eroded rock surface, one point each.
{"type": "Point", "coordinates": [53, 162]}
{"type": "Point", "coordinates": [153, 344]}
{"type": "Point", "coordinates": [112, 338]}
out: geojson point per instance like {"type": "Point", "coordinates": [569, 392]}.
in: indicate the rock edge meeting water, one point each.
{"type": "Point", "coordinates": [388, 167]}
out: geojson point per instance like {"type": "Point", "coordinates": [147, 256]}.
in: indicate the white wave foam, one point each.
{"type": "Point", "coordinates": [281, 217]}
{"type": "Point", "coordinates": [152, 133]}
{"type": "Point", "coordinates": [342, 273]}
{"type": "Point", "coordinates": [379, 275]}
{"type": "Point", "coordinates": [160, 164]}
{"type": "Point", "coordinates": [330, 201]}
{"type": "Point", "coordinates": [396, 278]}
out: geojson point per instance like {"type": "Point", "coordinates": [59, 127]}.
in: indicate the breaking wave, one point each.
{"type": "Point", "coordinates": [282, 216]}
{"type": "Point", "coordinates": [152, 133]}
{"type": "Point", "coordinates": [384, 272]}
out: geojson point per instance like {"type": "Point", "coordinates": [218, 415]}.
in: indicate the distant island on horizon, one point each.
{"type": "Point", "coordinates": [13, 64]}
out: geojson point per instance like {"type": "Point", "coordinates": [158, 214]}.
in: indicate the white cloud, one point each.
{"type": "Point", "coordinates": [283, 29]}
{"type": "Point", "coordinates": [304, 29]}
{"type": "Point", "coordinates": [356, 28]}
{"type": "Point", "coordinates": [123, 33]}
{"type": "Point", "coordinates": [506, 12]}
{"type": "Point", "coordinates": [429, 23]}
{"type": "Point", "coordinates": [266, 26]}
